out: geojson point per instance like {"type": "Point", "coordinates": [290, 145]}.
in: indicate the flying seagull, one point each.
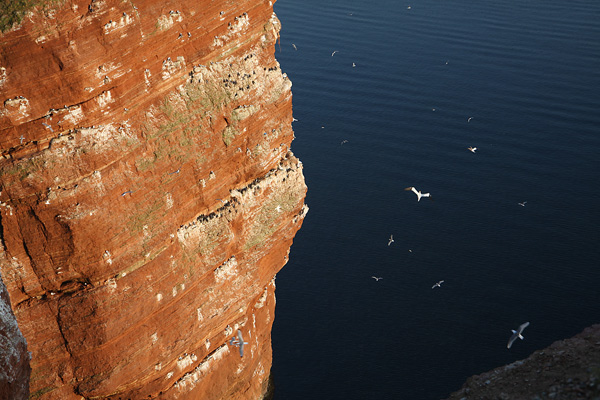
{"type": "Point", "coordinates": [439, 284]}
{"type": "Point", "coordinates": [333, 53]}
{"type": "Point", "coordinates": [418, 193]}
{"type": "Point", "coordinates": [522, 204]}
{"type": "Point", "coordinates": [517, 334]}
{"type": "Point", "coordinates": [391, 240]}
{"type": "Point", "coordinates": [239, 342]}
{"type": "Point", "coordinates": [472, 149]}
{"type": "Point", "coordinates": [376, 278]}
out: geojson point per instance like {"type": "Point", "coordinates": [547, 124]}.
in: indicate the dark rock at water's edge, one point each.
{"type": "Point", "coordinates": [14, 358]}
{"type": "Point", "coordinates": [568, 369]}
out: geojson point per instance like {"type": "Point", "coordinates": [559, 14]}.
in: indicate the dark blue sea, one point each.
{"type": "Point", "coordinates": [400, 89]}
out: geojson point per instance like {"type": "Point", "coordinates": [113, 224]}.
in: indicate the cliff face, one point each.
{"type": "Point", "coordinates": [148, 195]}
{"type": "Point", "coordinates": [568, 369]}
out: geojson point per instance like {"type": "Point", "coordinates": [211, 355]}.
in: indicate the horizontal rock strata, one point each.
{"type": "Point", "coordinates": [148, 195]}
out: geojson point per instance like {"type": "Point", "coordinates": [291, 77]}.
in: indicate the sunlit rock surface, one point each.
{"type": "Point", "coordinates": [148, 195]}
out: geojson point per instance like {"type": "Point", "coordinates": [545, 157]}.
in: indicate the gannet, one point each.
{"type": "Point", "coordinates": [517, 334]}
{"type": "Point", "coordinates": [391, 240]}
{"type": "Point", "coordinates": [418, 193]}
{"type": "Point", "coordinates": [522, 204]}
{"type": "Point", "coordinates": [295, 48]}
{"type": "Point", "coordinates": [333, 53]}
{"type": "Point", "coordinates": [472, 149]}
{"type": "Point", "coordinates": [469, 120]}
{"type": "Point", "coordinates": [376, 278]}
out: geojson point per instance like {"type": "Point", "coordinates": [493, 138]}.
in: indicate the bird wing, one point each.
{"type": "Point", "coordinates": [409, 188]}
{"type": "Point", "coordinates": [415, 191]}
{"type": "Point", "coordinates": [426, 194]}
{"type": "Point", "coordinates": [523, 326]}
{"type": "Point", "coordinates": [240, 338]}
{"type": "Point", "coordinates": [512, 339]}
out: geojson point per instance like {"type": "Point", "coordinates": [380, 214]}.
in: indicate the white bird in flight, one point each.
{"type": "Point", "coordinates": [418, 193]}
{"type": "Point", "coordinates": [239, 342]}
{"type": "Point", "coordinates": [469, 120]}
{"type": "Point", "coordinates": [522, 204]}
{"type": "Point", "coordinates": [376, 278]}
{"type": "Point", "coordinates": [333, 53]}
{"type": "Point", "coordinates": [295, 48]}
{"type": "Point", "coordinates": [439, 284]}
{"type": "Point", "coordinates": [391, 240]}
{"type": "Point", "coordinates": [472, 149]}
{"type": "Point", "coordinates": [517, 334]}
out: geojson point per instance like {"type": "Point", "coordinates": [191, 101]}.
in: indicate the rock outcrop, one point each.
{"type": "Point", "coordinates": [14, 358]}
{"type": "Point", "coordinates": [568, 369]}
{"type": "Point", "coordinates": [148, 195]}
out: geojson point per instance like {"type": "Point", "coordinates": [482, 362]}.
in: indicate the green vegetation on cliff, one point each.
{"type": "Point", "coordinates": [12, 11]}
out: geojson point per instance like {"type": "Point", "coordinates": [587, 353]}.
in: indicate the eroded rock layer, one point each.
{"type": "Point", "coordinates": [148, 195]}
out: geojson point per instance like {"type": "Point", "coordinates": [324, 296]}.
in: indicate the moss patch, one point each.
{"type": "Point", "coordinates": [13, 11]}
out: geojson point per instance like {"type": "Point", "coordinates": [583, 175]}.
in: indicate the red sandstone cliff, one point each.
{"type": "Point", "coordinates": [148, 195]}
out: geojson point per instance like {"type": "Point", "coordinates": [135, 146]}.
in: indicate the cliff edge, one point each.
{"type": "Point", "coordinates": [148, 195]}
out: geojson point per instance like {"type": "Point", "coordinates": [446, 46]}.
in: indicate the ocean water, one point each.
{"type": "Point", "coordinates": [527, 73]}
